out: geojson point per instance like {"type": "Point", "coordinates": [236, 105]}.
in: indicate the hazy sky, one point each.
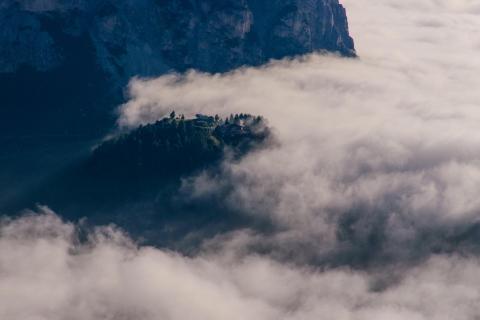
{"type": "Point", "coordinates": [373, 184]}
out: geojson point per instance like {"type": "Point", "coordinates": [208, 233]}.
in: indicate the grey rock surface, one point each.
{"type": "Point", "coordinates": [151, 37]}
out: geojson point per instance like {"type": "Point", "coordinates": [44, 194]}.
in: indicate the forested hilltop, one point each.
{"type": "Point", "coordinates": [175, 145]}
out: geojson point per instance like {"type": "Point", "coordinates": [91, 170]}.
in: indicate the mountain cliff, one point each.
{"type": "Point", "coordinates": [149, 37]}
{"type": "Point", "coordinates": [67, 61]}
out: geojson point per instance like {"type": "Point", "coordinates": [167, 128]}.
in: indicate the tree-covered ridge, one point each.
{"type": "Point", "coordinates": [175, 145]}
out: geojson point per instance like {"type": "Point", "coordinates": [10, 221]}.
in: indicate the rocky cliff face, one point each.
{"type": "Point", "coordinates": [89, 49]}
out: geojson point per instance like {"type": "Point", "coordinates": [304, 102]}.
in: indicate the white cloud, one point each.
{"type": "Point", "coordinates": [384, 146]}
{"type": "Point", "coordinates": [46, 274]}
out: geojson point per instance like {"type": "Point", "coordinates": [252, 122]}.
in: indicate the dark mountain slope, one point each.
{"type": "Point", "coordinates": [134, 179]}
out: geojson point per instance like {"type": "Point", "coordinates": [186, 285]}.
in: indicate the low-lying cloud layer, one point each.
{"type": "Point", "coordinates": [46, 274]}
{"type": "Point", "coordinates": [372, 188]}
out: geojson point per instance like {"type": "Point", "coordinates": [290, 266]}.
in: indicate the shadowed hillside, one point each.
{"type": "Point", "coordinates": [135, 179]}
